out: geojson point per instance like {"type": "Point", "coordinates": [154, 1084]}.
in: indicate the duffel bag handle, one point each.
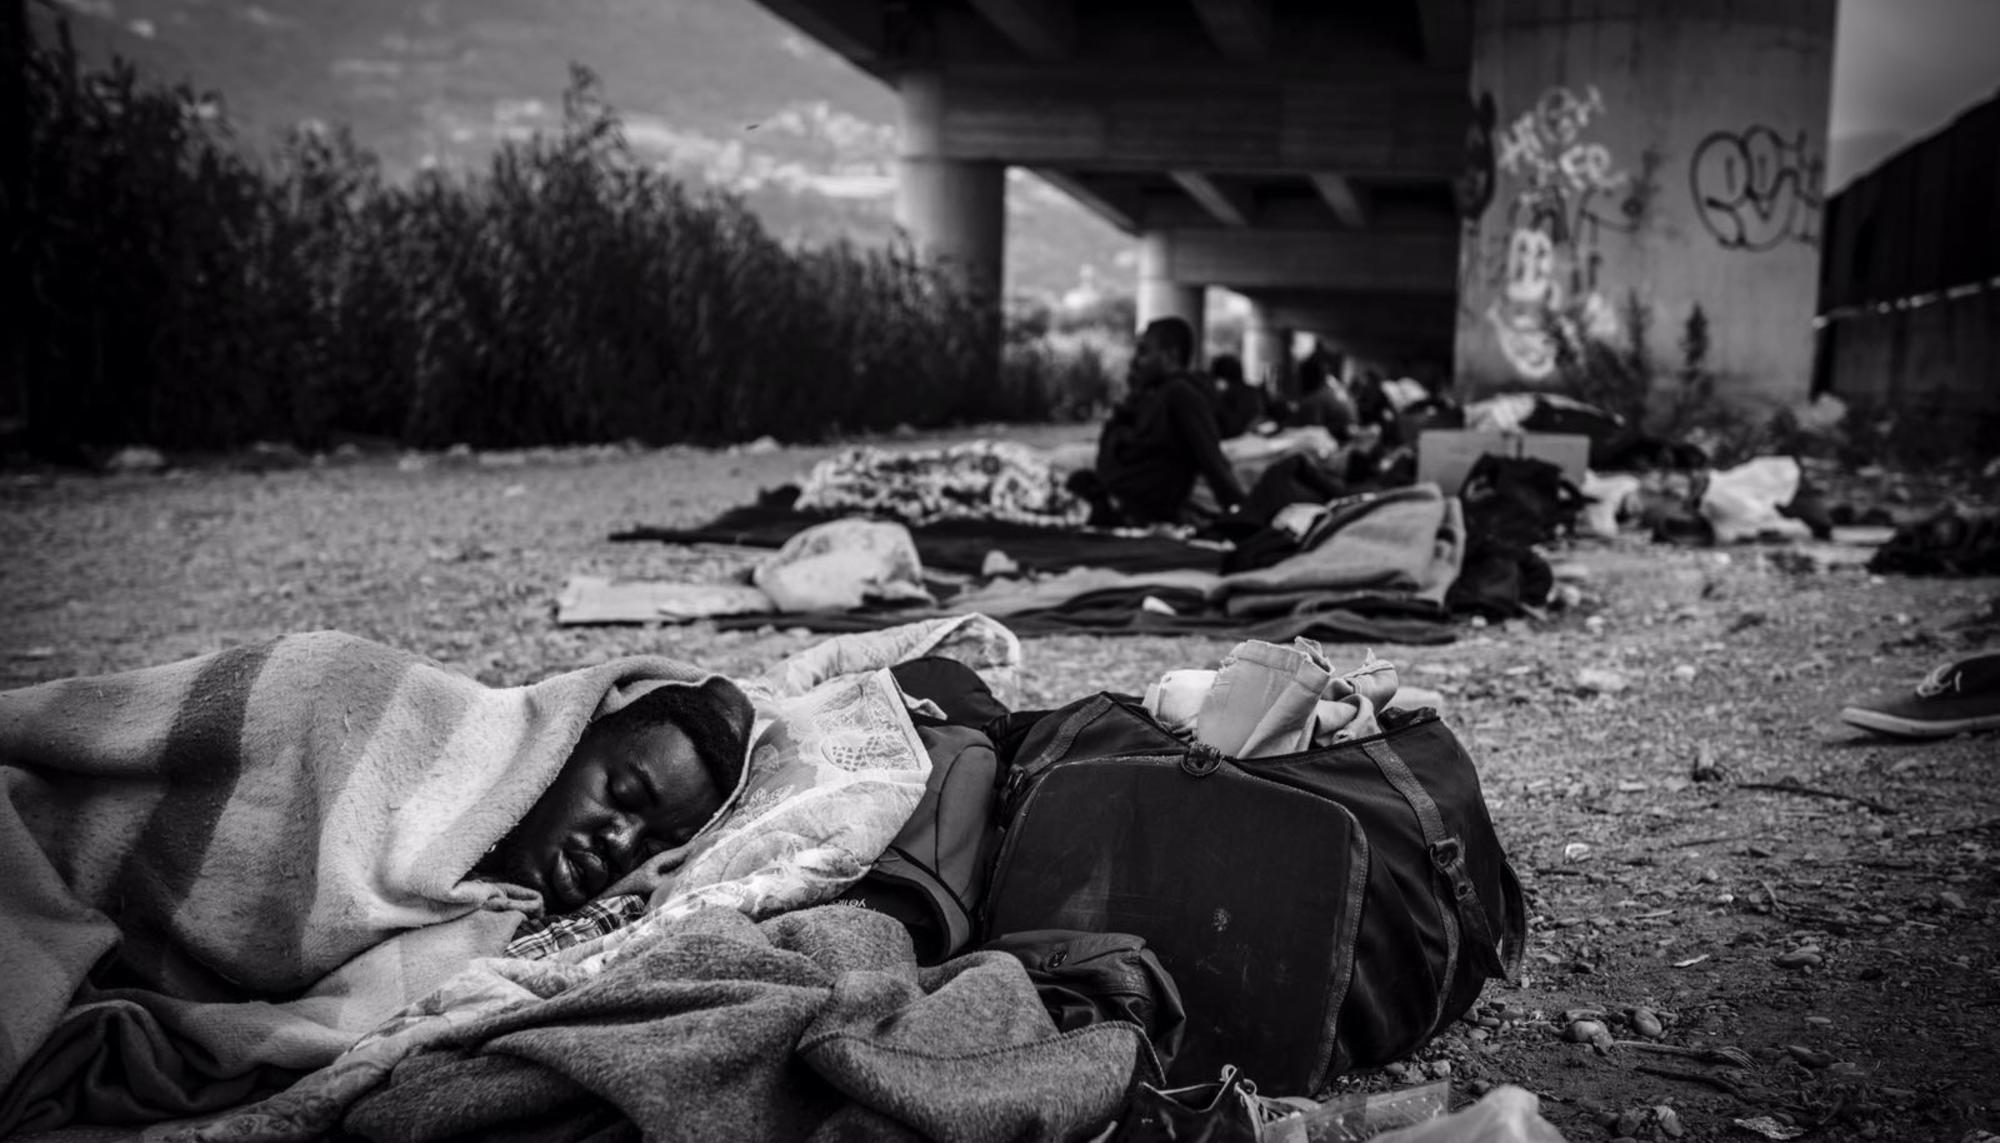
{"type": "Point", "coordinates": [1054, 749]}
{"type": "Point", "coordinates": [1447, 858]}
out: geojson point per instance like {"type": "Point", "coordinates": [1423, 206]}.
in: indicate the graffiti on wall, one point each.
{"type": "Point", "coordinates": [1567, 190]}
{"type": "Point", "coordinates": [1756, 190]}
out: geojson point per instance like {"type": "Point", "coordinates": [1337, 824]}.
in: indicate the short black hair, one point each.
{"type": "Point", "coordinates": [1226, 366]}
{"type": "Point", "coordinates": [1172, 334]}
{"type": "Point", "coordinates": [1312, 374]}
{"type": "Point", "coordinates": [716, 717]}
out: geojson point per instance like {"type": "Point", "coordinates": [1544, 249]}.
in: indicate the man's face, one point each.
{"type": "Point", "coordinates": [1151, 360]}
{"type": "Point", "coordinates": [623, 797]}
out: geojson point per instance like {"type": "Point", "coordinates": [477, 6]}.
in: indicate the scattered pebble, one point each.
{"type": "Point", "coordinates": [1952, 901]}
{"type": "Point", "coordinates": [1647, 1024]}
{"type": "Point", "coordinates": [1598, 680]}
{"type": "Point", "coordinates": [1586, 1032]}
{"type": "Point", "coordinates": [1807, 956]}
{"type": "Point", "coordinates": [136, 458]}
{"type": "Point", "coordinates": [1669, 1121]}
{"type": "Point", "coordinates": [1685, 672]}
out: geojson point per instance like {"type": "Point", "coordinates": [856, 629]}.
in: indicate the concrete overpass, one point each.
{"type": "Point", "coordinates": [1414, 179]}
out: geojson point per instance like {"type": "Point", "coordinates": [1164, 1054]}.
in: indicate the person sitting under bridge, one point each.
{"type": "Point", "coordinates": [1163, 435]}
{"type": "Point", "coordinates": [1239, 405]}
{"type": "Point", "coordinates": [1321, 402]}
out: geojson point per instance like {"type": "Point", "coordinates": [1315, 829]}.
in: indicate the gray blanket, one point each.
{"type": "Point", "coordinates": [812, 1025]}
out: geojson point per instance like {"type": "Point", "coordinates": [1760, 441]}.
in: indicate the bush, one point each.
{"type": "Point", "coordinates": [187, 296]}
{"type": "Point", "coordinates": [1073, 376]}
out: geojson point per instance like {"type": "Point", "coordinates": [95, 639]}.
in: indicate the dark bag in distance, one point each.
{"type": "Point", "coordinates": [1320, 912]}
{"type": "Point", "coordinates": [1089, 978]}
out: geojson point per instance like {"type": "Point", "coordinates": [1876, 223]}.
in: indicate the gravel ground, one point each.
{"type": "Point", "coordinates": [1839, 933]}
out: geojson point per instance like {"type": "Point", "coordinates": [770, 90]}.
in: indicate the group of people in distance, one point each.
{"type": "Point", "coordinates": [1168, 431]}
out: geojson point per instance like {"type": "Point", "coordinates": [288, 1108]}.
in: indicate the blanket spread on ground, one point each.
{"type": "Point", "coordinates": [956, 545]}
{"type": "Point", "coordinates": [814, 1025]}
{"type": "Point", "coordinates": [217, 874]}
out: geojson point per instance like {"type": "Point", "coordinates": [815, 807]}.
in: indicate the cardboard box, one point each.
{"type": "Point", "coordinates": [1446, 456]}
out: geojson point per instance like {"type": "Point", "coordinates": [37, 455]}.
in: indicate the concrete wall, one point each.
{"type": "Point", "coordinates": [1668, 151]}
{"type": "Point", "coordinates": [1910, 289]}
{"type": "Point", "coordinates": [1932, 366]}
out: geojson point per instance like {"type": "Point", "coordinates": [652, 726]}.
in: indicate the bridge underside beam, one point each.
{"type": "Point", "coordinates": [1405, 122]}
{"type": "Point", "coordinates": [1383, 326]}
{"type": "Point", "coordinates": [1253, 260]}
{"type": "Point", "coordinates": [1240, 28]}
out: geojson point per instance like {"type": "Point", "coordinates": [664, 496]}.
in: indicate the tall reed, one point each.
{"type": "Point", "coordinates": [186, 295]}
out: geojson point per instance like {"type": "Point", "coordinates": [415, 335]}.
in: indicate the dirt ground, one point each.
{"type": "Point", "coordinates": [1812, 927]}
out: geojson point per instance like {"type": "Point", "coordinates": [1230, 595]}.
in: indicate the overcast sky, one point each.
{"type": "Point", "coordinates": [1902, 69]}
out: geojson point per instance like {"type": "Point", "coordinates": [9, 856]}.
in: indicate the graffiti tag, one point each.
{"type": "Point", "coordinates": [1755, 190]}
{"type": "Point", "coordinates": [1568, 189]}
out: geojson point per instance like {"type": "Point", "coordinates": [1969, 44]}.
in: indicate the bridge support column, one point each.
{"type": "Point", "coordinates": [954, 209]}
{"type": "Point", "coordinates": [1627, 164]}
{"type": "Point", "coordinates": [1267, 349]}
{"type": "Point", "coordinates": [1161, 296]}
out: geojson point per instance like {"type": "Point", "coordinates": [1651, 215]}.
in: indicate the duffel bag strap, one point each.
{"type": "Point", "coordinates": [1447, 857]}
{"type": "Point", "coordinates": [1056, 748]}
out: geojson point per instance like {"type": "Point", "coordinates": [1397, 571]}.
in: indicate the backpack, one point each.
{"type": "Point", "coordinates": [1089, 978]}
{"type": "Point", "coordinates": [1511, 504]}
{"type": "Point", "coordinates": [933, 874]}
{"type": "Point", "coordinates": [1320, 912]}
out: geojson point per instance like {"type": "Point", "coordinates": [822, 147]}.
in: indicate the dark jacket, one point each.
{"type": "Point", "coordinates": [1239, 405]}
{"type": "Point", "coordinates": [1328, 409]}
{"type": "Point", "coordinates": [1157, 441]}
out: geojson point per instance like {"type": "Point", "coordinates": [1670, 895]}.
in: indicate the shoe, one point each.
{"type": "Point", "coordinates": [1954, 699]}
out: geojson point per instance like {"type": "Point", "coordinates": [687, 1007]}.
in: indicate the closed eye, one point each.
{"type": "Point", "coordinates": [649, 787]}
{"type": "Point", "coordinates": [630, 792]}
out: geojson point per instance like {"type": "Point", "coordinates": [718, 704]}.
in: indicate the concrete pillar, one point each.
{"type": "Point", "coordinates": [1626, 163]}
{"type": "Point", "coordinates": [1161, 296]}
{"type": "Point", "coordinates": [1267, 349]}
{"type": "Point", "coordinates": [954, 209]}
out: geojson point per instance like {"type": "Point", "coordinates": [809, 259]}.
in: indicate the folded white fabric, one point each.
{"type": "Point", "coordinates": [1268, 700]}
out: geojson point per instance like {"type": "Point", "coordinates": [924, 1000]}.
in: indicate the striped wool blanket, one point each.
{"type": "Point", "coordinates": [217, 874]}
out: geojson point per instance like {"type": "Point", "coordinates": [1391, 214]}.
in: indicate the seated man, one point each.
{"type": "Point", "coordinates": [1321, 403]}
{"type": "Point", "coordinates": [1239, 405]}
{"type": "Point", "coordinates": [1163, 434]}
{"type": "Point", "coordinates": [642, 781]}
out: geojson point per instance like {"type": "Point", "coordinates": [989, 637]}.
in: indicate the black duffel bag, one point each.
{"type": "Point", "coordinates": [1320, 912]}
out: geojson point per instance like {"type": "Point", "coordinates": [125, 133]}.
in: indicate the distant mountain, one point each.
{"type": "Point", "coordinates": [712, 90]}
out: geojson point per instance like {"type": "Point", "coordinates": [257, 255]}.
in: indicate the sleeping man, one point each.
{"type": "Point", "coordinates": [227, 868]}
{"type": "Point", "coordinates": [642, 782]}
{"type": "Point", "coordinates": [220, 873]}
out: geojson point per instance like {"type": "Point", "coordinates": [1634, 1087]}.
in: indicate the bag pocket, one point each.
{"type": "Point", "coordinates": [1248, 892]}
{"type": "Point", "coordinates": [1088, 978]}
